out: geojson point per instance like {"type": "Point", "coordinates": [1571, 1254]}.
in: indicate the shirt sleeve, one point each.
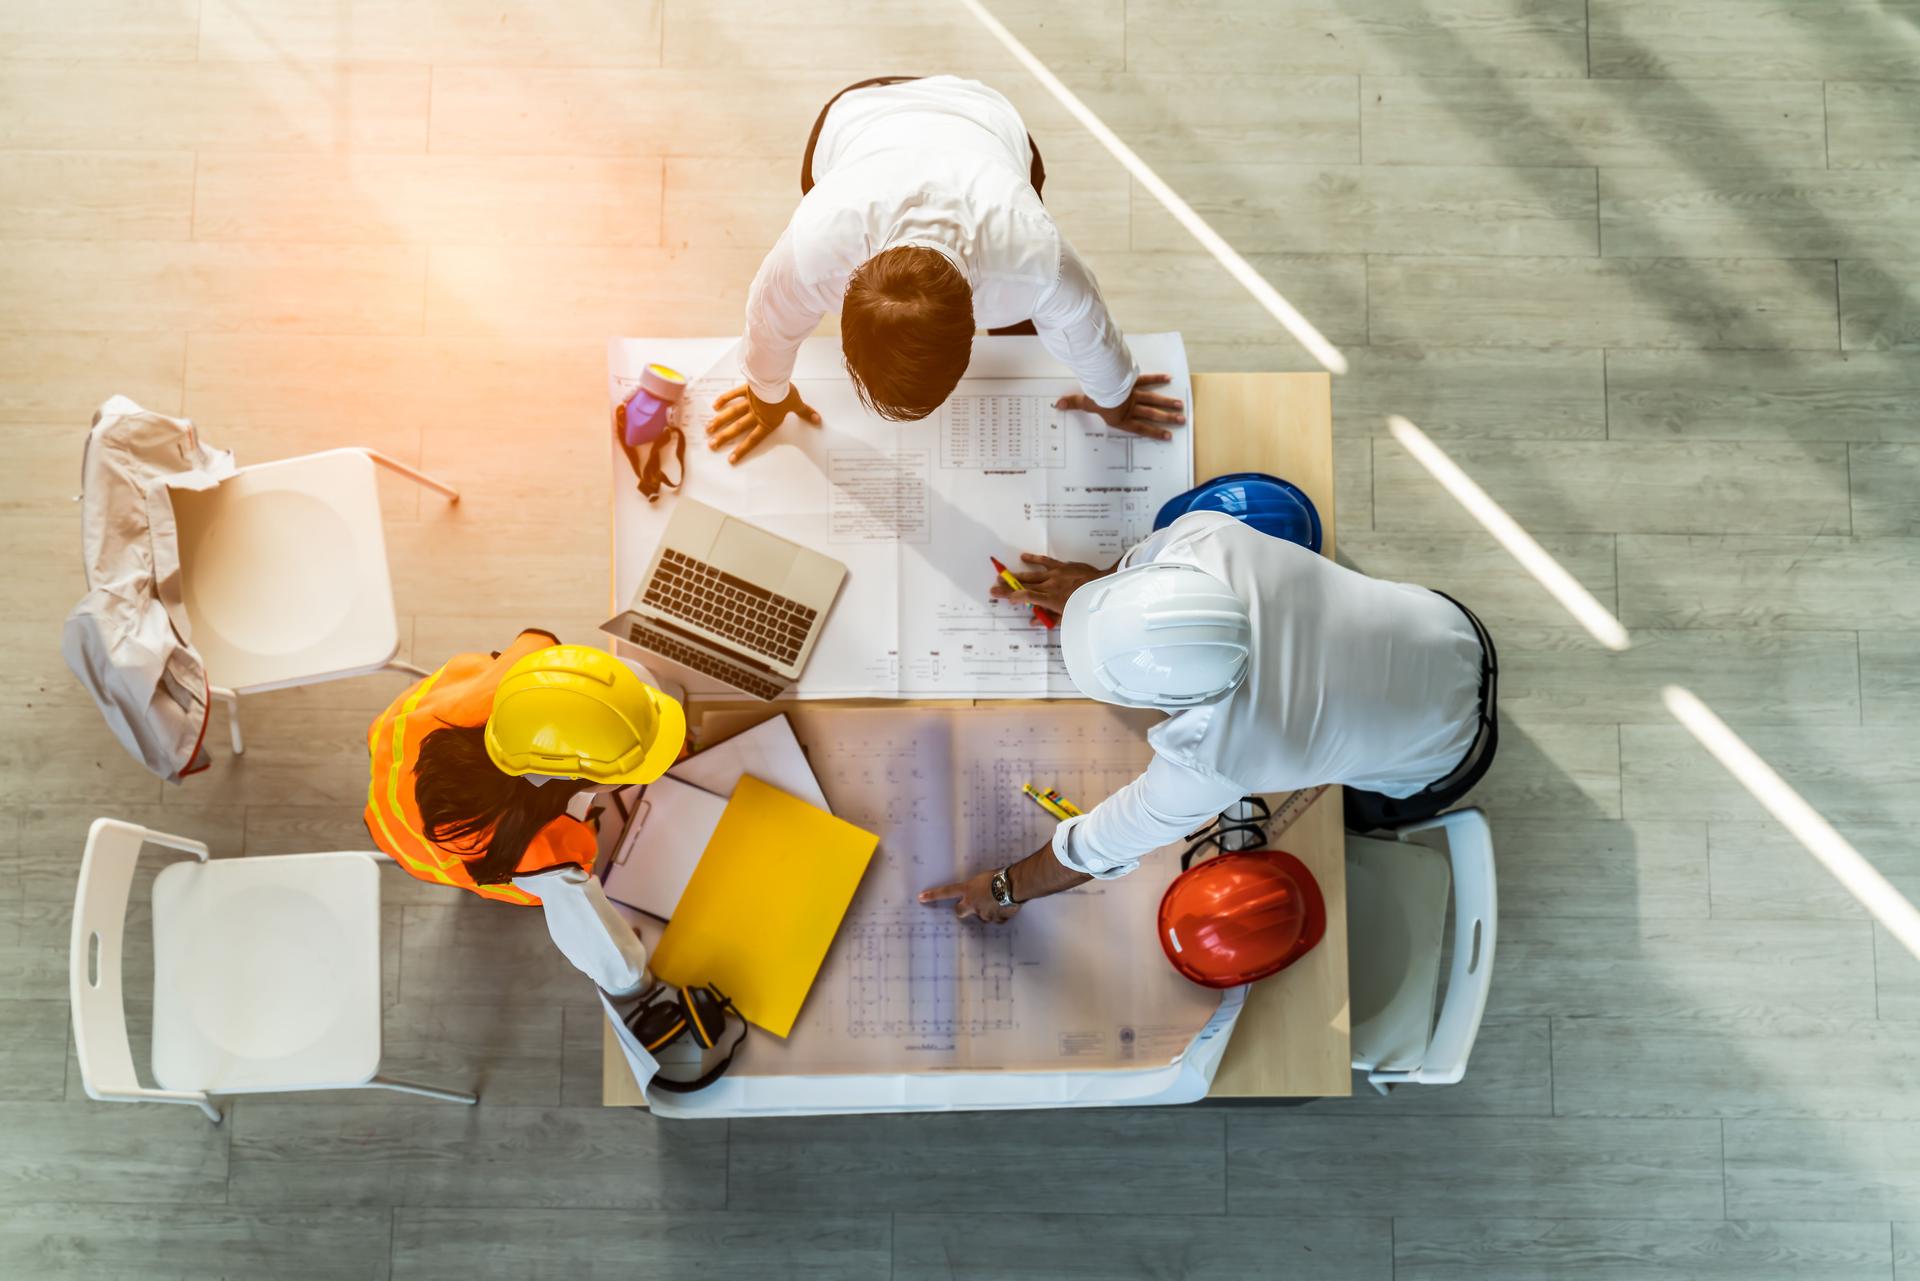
{"type": "Point", "coordinates": [1161, 806]}
{"type": "Point", "coordinates": [781, 311]}
{"type": "Point", "coordinates": [1076, 329]}
{"type": "Point", "coordinates": [588, 931]}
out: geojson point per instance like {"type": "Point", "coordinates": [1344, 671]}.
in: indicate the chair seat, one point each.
{"type": "Point", "coordinates": [1396, 919]}
{"type": "Point", "coordinates": [284, 572]}
{"type": "Point", "coordinates": [267, 973]}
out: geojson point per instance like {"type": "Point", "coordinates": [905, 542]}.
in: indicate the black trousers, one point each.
{"type": "Point", "coordinates": [1037, 175]}
{"type": "Point", "coordinates": [1370, 811]}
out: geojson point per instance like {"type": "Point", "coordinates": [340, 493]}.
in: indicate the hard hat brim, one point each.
{"type": "Point", "coordinates": [669, 736]}
{"type": "Point", "coordinates": [1076, 634]}
{"type": "Point", "coordinates": [1275, 507]}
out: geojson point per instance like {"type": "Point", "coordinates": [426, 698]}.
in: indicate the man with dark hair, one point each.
{"type": "Point", "coordinates": [920, 218]}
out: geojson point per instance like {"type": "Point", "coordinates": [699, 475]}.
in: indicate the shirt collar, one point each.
{"type": "Point", "coordinates": [917, 242]}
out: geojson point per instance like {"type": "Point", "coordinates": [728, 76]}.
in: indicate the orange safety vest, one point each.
{"type": "Point", "coordinates": [460, 693]}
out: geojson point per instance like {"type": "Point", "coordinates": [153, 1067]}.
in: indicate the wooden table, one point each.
{"type": "Point", "coordinates": [1292, 1039]}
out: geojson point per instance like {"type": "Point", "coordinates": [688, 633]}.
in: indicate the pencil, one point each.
{"type": "Point", "coordinates": [1071, 810]}
{"type": "Point", "coordinates": [1040, 616]}
{"type": "Point", "coordinates": [1041, 799]}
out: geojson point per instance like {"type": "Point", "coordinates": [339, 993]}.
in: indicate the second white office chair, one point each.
{"type": "Point", "coordinates": [284, 573]}
{"type": "Point", "coordinates": [1396, 925]}
{"type": "Point", "coordinates": [266, 973]}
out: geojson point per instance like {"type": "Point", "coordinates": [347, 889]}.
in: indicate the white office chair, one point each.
{"type": "Point", "coordinates": [284, 574]}
{"type": "Point", "coordinates": [1396, 921]}
{"type": "Point", "coordinates": [266, 973]}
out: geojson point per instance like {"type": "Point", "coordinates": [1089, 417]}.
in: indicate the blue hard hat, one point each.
{"type": "Point", "coordinates": [1267, 503]}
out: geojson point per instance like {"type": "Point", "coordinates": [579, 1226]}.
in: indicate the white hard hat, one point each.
{"type": "Point", "coordinates": [1156, 635]}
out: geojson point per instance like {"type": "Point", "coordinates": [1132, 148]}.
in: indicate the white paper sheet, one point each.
{"type": "Point", "coordinates": [915, 510]}
{"type": "Point", "coordinates": [768, 751]}
{"type": "Point", "coordinates": [1186, 1080]}
{"type": "Point", "coordinates": [1069, 1005]}
{"type": "Point", "coordinates": [1077, 982]}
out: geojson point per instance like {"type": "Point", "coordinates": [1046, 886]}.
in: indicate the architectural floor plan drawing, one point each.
{"type": "Point", "coordinates": [1012, 427]}
{"type": "Point", "coordinates": [914, 974]}
{"type": "Point", "coordinates": [1074, 982]}
{"type": "Point", "coordinates": [915, 510]}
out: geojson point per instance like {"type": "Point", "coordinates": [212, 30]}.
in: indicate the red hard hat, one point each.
{"type": "Point", "coordinates": [1239, 917]}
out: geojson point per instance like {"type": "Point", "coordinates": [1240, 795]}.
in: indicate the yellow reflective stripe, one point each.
{"type": "Point", "coordinates": [433, 867]}
{"type": "Point", "coordinates": [393, 774]}
{"type": "Point", "coordinates": [506, 893]}
{"type": "Point", "coordinates": [425, 871]}
{"type": "Point", "coordinates": [373, 794]}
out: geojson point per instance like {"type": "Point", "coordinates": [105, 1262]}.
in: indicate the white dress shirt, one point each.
{"type": "Point", "coordinates": [942, 163]}
{"type": "Point", "coordinates": [588, 931]}
{"type": "Point", "coordinates": [1353, 680]}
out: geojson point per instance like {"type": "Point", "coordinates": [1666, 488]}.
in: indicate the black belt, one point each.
{"type": "Point", "coordinates": [1479, 754]}
{"type": "Point", "coordinates": [1036, 173]}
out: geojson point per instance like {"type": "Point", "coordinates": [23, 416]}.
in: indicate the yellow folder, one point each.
{"type": "Point", "coordinates": [764, 903]}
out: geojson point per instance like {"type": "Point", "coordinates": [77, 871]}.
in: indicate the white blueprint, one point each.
{"type": "Point", "coordinates": [1074, 982]}
{"type": "Point", "coordinates": [915, 510]}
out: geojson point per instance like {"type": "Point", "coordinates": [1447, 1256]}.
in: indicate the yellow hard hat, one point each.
{"type": "Point", "coordinates": [573, 711]}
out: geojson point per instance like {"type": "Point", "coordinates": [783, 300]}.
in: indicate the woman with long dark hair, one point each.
{"type": "Point", "coordinates": [478, 773]}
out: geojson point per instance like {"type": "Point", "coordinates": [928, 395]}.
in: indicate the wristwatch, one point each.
{"type": "Point", "coordinates": [1002, 887]}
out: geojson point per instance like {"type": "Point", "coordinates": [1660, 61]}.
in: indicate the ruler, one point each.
{"type": "Point", "coordinates": [1290, 810]}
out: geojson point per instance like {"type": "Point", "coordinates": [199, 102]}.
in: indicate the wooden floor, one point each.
{"type": "Point", "coordinates": [1647, 268]}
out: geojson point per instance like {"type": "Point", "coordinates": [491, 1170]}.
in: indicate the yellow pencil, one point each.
{"type": "Point", "coordinates": [1044, 617]}
{"type": "Point", "coordinates": [1040, 799]}
{"type": "Point", "coordinates": [1071, 810]}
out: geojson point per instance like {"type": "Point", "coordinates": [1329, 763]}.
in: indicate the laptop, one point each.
{"type": "Point", "coordinates": [731, 601]}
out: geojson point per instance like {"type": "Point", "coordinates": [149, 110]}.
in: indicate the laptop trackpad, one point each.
{"type": "Point", "coordinates": [747, 552]}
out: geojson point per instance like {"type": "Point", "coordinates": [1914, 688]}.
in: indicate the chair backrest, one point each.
{"type": "Point", "coordinates": [94, 980]}
{"type": "Point", "coordinates": [1469, 845]}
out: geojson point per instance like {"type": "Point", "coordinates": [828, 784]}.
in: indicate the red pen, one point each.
{"type": "Point", "coordinates": [1040, 616]}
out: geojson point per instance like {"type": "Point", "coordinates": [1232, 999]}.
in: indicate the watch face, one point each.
{"type": "Point", "coordinates": [1002, 887]}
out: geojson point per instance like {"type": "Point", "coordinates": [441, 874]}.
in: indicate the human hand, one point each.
{"type": "Point", "coordinates": [971, 898]}
{"type": "Point", "coordinates": [740, 415]}
{"type": "Point", "coordinates": [1047, 582]}
{"type": "Point", "coordinates": [1144, 413]}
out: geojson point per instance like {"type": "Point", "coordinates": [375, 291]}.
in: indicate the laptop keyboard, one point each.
{"type": "Point", "coordinates": [751, 617]}
{"type": "Point", "coordinates": [701, 661]}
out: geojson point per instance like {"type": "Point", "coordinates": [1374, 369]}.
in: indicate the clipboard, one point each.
{"type": "Point", "coordinates": [664, 837]}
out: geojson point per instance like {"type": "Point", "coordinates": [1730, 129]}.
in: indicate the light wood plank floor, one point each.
{"type": "Point", "coordinates": [1647, 266]}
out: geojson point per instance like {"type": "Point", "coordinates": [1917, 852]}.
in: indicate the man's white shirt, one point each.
{"type": "Point", "coordinates": [1353, 680]}
{"type": "Point", "coordinates": [944, 164]}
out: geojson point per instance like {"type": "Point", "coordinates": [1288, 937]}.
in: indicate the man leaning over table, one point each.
{"type": "Point", "coordinates": [1278, 670]}
{"type": "Point", "coordinates": [920, 218]}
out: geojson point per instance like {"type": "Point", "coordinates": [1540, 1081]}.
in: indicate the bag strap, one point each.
{"type": "Point", "coordinates": [651, 472]}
